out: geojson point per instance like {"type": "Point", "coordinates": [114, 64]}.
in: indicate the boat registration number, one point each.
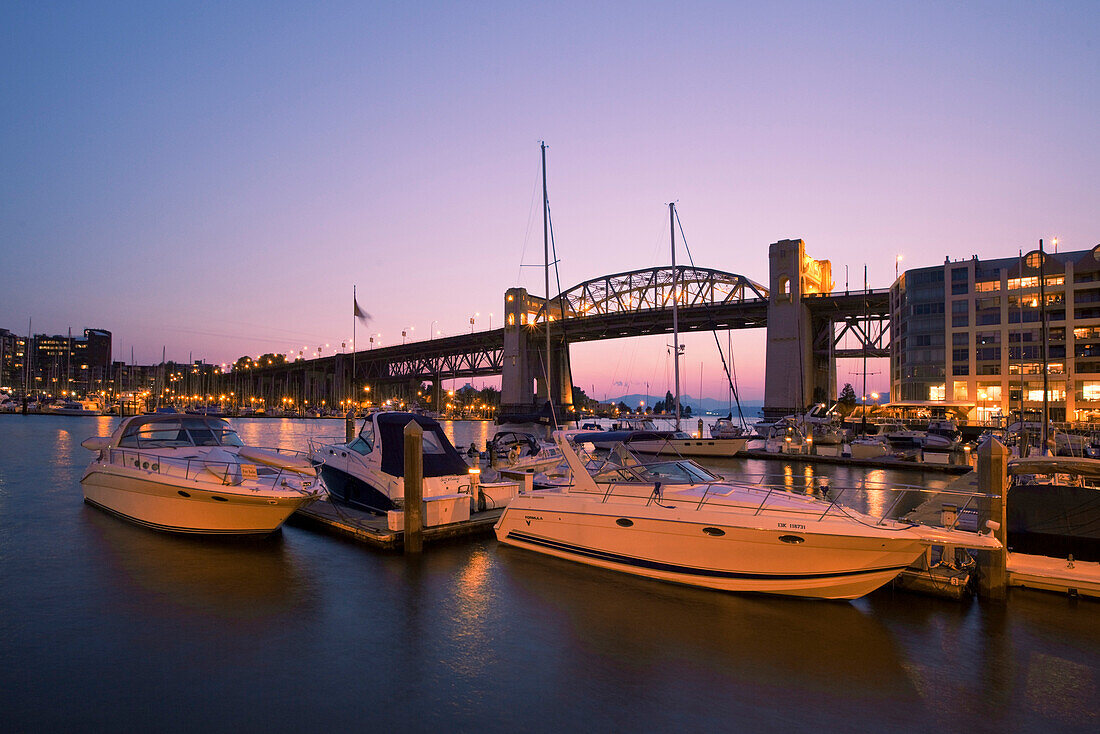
{"type": "Point", "coordinates": [790, 526]}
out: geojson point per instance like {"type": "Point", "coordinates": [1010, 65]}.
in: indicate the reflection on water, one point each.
{"type": "Point", "coordinates": [243, 578]}
{"type": "Point", "coordinates": [111, 626]}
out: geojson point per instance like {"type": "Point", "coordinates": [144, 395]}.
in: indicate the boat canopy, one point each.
{"type": "Point", "coordinates": [1055, 465]}
{"type": "Point", "coordinates": [620, 436]}
{"type": "Point", "coordinates": [440, 456]}
{"type": "Point", "coordinates": [173, 431]}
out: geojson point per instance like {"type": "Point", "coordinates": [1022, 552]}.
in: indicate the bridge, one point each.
{"type": "Point", "coordinates": [808, 324]}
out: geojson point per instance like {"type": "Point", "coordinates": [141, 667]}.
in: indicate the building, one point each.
{"type": "Point", "coordinates": [13, 350]}
{"type": "Point", "coordinates": [58, 364]}
{"type": "Point", "coordinates": [968, 335]}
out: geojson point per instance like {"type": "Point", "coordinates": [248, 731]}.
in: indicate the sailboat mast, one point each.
{"type": "Point", "coordinates": [866, 331]}
{"type": "Point", "coordinates": [675, 310]}
{"type": "Point", "coordinates": [354, 318]}
{"type": "Point", "coordinates": [546, 276]}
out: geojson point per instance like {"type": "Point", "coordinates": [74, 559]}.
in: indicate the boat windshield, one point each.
{"type": "Point", "coordinates": [666, 472]}
{"type": "Point", "coordinates": [180, 433]}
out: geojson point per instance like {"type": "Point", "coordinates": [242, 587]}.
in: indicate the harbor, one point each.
{"type": "Point", "coordinates": [550, 368]}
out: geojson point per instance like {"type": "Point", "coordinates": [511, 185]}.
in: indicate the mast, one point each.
{"type": "Point", "coordinates": [1043, 345]}
{"type": "Point", "coordinates": [69, 364]}
{"type": "Point", "coordinates": [866, 332]}
{"type": "Point", "coordinates": [675, 311]}
{"type": "Point", "coordinates": [546, 276]}
{"type": "Point", "coordinates": [354, 318]}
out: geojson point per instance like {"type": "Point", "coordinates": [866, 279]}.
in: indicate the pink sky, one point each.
{"type": "Point", "coordinates": [216, 180]}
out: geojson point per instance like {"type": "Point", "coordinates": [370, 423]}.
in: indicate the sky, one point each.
{"type": "Point", "coordinates": [214, 178]}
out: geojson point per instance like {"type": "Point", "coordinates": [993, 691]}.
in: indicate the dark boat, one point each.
{"type": "Point", "coordinates": [1054, 507]}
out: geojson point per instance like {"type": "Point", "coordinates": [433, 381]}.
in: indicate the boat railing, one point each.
{"type": "Point", "coordinates": [229, 473]}
{"type": "Point", "coordinates": [775, 497]}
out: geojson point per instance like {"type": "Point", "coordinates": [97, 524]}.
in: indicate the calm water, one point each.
{"type": "Point", "coordinates": [105, 626]}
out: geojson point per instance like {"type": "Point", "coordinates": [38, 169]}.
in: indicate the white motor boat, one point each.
{"type": "Point", "coordinates": [869, 447]}
{"type": "Point", "coordinates": [519, 451]}
{"type": "Point", "coordinates": [679, 443]}
{"type": "Point", "coordinates": [676, 521]}
{"type": "Point", "coordinates": [76, 407]}
{"type": "Point", "coordinates": [785, 438]}
{"type": "Point", "coordinates": [726, 428]}
{"type": "Point", "coordinates": [368, 473]}
{"type": "Point", "coordinates": [193, 474]}
{"type": "Point", "coordinates": [899, 435]}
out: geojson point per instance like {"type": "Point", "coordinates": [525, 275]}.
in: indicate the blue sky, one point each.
{"type": "Point", "coordinates": [215, 177]}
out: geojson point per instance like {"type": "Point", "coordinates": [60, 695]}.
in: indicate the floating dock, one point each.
{"type": "Point", "coordinates": [373, 530]}
{"type": "Point", "coordinates": [1054, 574]}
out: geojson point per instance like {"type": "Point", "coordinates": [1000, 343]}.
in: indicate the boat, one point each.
{"type": "Point", "coordinates": [679, 443]}
{"type": "Point", "coordinates": [1053, 507]}
{"type": "Point", "coordinates": [869, 447]}
{"type": "Point", "coordinates": [786, 437]}
{"type": "Point", "coordinates": [192, 474]}
{"type": "Point", "coordinates": [76, 407]}
{"type": "Point", "coordinates": [676, 521]}
{"type": "Point", "coordinates": [898, 434]}
{"type": "Point", "coordinates": [519, 451]}
{"type": "Point", "coordinates": [368, 472]}
{"type": "Point", "coordinates": [726, 428]}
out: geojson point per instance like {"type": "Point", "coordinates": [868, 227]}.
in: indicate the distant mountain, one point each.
{"type": "Point", "coordinates": [751, 409]}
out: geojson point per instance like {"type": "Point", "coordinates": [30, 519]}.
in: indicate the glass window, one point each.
{"type": "Point", "coordinates": [432, 444]}
{"type": "Point", "coordinates": [360, 446]}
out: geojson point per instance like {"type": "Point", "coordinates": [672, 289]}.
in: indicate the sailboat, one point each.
{"type": "Point", "coordinates": [679, 443]}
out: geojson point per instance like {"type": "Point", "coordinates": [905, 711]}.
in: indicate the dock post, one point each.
{"type": "Point", "coordinates": [993, 480]}
{"type": "Point", "coordinates": [701, 428]}
{"type": "Point", "coordinates": [349, 425]}
{"type": "Point", "coordinates": [414, 486]}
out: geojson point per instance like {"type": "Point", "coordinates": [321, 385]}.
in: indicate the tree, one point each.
{"type": "Point", "coordinates": [622, 407]}
{"type": "Point", "coordinates": [846, 403]}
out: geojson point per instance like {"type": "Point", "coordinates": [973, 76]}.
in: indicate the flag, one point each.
{"type": "Point", "coordinates": [359, 313]}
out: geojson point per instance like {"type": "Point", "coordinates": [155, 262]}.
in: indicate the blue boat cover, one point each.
{"type": "Point", "coordinates": [440, 456]}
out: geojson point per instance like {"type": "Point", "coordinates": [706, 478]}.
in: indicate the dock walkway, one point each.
{"type": "Point", "coordinates": [1054, 574]}
{"type": "Point", "coordinates": [374, 531]}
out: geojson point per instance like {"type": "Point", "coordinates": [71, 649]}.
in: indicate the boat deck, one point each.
{"type": "Point", "coordinates": [373, 530]}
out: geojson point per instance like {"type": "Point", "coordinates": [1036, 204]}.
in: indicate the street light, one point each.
{"type": "Point", "coordinates": [476, 314]}
{"type": "Point", "coordinates": [431, 330]}
{"type": "Point", "coordinates": [896, 261]}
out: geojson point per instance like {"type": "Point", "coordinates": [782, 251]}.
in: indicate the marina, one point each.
{"type": "Point", "coordinates": [561, 368]}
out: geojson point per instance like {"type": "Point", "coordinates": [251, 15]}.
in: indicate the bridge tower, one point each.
{"type": "Point", "coordinates": [523, 383]}
{"type": "Point", "coordinates": [795, 374]}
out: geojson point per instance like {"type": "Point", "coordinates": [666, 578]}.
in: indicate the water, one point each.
{"type": "Point", "coordinates": [105, 626]}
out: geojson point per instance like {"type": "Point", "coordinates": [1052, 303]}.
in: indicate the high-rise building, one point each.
{"type": "Point", "coordinates": [969, 334]}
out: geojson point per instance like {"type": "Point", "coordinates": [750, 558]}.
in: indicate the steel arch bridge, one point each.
{"type": "Point", "coordinates": [650, 289]}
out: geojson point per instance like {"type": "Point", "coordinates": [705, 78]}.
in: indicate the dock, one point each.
{"type": "Point", "coordinates": [1077, 578]}
{"type": "Point", "coordinates": [373, 530]}
{"type": "Point", "coordinates": [881, 463]}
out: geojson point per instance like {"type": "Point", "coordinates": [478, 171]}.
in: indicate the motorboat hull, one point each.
{"type": "Point", "coordinates": [714, 555]}
{"type": "Point", "coordinates": [354, 491]}
{"type": "Point", "coordinates": [691, 447]}
{"type": "Point", "coordinates": [182, 506]}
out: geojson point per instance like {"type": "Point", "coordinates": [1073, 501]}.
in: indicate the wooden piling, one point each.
{"type": "Point", "coordinates": [414, 487]}
{"type": "Point", "coordinates": [349, 426]}
{"type": "Point", "coordinates": [992, 473]}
